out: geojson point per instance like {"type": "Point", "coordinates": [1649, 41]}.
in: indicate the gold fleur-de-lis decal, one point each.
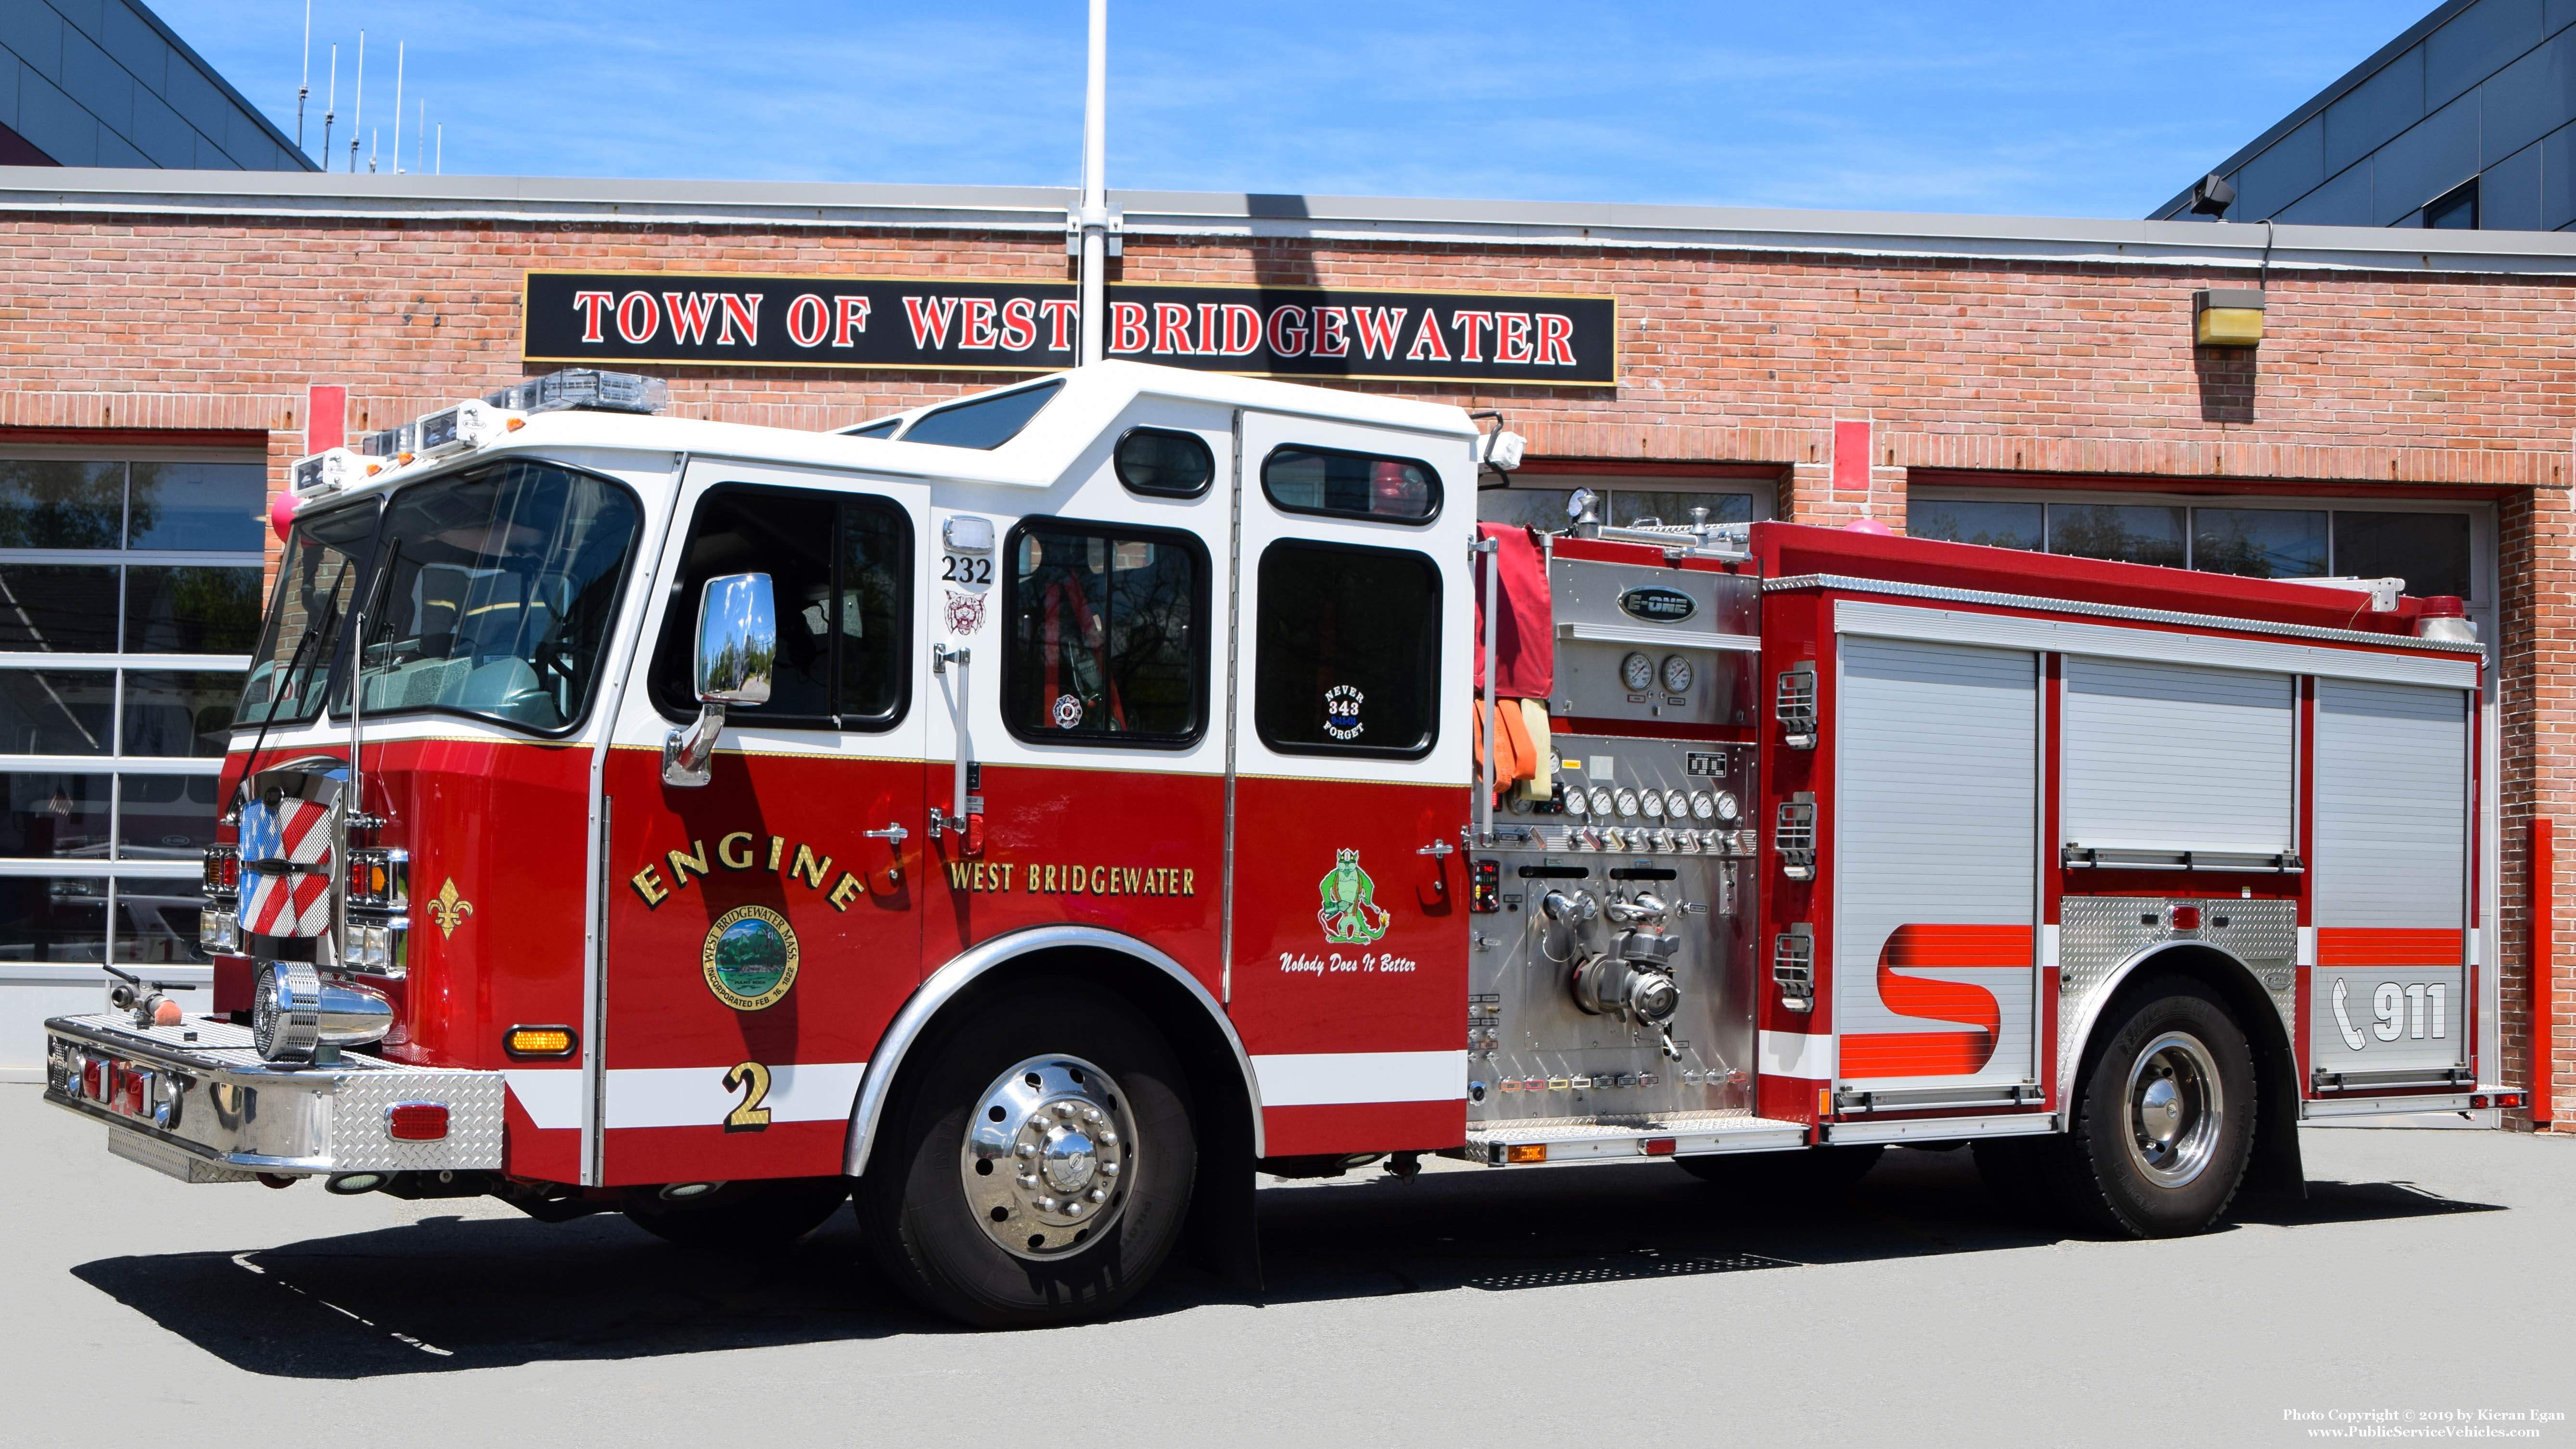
{"type": "Point", "coordinates": [449, 909]}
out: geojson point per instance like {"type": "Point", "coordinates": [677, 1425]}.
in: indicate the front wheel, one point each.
{"type": "Point", "coordinates": [2164, 1120]}
{"type": "Point", "coordinates": [1036, 1168]}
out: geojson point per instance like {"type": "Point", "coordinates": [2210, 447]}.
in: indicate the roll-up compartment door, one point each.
{"type": "Point", "coordinates": [2388, 991]}
{"type": "Point", "coordinates": [1935, 830]}
{"type": "Point", "coordinates": [2166, 757]}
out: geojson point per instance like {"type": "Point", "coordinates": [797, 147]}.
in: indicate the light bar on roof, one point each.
{"type": "Point", "coordinates": [325, 472]}
{"type": "Point", "coordinates": [584, 387]}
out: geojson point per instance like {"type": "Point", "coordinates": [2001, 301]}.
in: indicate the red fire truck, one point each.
{"type": "Point", "coordinates": [1036, 814]}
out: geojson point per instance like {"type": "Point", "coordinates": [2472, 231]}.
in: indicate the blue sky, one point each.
{"type": "Point", "coordinates": [2065, 109]}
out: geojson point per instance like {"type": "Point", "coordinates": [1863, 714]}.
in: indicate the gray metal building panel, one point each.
{"type": "Point", "coordinates": [2477, 43]}
{"type": "Point", "coordinates": [2391, 809]}
{"type": "Point", "coordinates": [2342, 201]}
{"type": "Point", "coordinates": [2376, 111]}
{"type": "Point", "coordinates": [2174, 757]}
{"type": "Point", "coordinates": [2294, 166]}
{"type": "Point", "coordinates": [2434, 156]}
{"type": "Point", "coordinates": [2528, 99]}
{"type": "Point", "coordinates": [2483, 79]}
{"type": "Point", "coordinates": [1935, 819]}
{"type": "Point", "coordinates": [2509, 195]}
{"type": "Point", "coordinates": [104, 83]}
{"type": "Point", "coordinates": [2558, 178]}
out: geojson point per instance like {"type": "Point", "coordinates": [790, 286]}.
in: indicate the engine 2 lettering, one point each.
{"type": "Point", "coordinates": [741, 850]}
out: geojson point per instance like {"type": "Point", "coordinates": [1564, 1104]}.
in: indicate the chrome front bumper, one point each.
{"type": "Point", "coordinates": [195, 1101]}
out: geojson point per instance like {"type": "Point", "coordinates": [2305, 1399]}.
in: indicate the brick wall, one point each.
{"type": "Point", "coordinates": [2382, 382]}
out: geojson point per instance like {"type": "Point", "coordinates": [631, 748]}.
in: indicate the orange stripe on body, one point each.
{"type": "Point", "coordinates": [1937, 1053]}
{"type": "Point", "coordinates": [2374, 946]}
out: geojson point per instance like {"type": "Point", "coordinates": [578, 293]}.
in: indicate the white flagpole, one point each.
{"type": "Point", "coordinates": [1094, 216]}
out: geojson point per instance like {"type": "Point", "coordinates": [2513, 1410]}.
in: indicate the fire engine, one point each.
{"type": "Point", "coordinates": [1037, 814]}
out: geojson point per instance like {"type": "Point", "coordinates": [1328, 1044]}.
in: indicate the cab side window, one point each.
{"type": "Point", "coordinates": [839, 568]}
{"type": "Point", "coordinates": [1347, 660]}
{"type": "Point", "coordinates": [1107, 641]}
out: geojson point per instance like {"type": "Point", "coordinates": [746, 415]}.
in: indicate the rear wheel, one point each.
{"type": "Point", "coordinates": [2164, 1118]}
{"type": "Point", "coordinates": [768, 1213]}
{"type": "Point", "coordinates": [1035, 1168]}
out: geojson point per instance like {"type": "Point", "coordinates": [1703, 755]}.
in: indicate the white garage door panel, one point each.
{"type": "Point", "coordinates": [1935, 824]}
{"type": "Point", "coordinates": [2170, 756]}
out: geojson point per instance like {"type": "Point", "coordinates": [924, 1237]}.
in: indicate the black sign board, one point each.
{"type": "Point", "coordinates": [772, 321]}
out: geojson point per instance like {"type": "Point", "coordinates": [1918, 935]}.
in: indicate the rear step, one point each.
{"type": "Point", "coordinates": [1679, 1134]}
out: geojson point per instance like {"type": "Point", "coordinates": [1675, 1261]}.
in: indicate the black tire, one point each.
{"type": "Point", "coordinates": [2106, 1170]}
{"type": "Point", "coordinates": [914, 1210]}
{"type": "Point", "coordinates": [1807, 1174]}
{"type": "Point", "coordinates": [751, 1215]}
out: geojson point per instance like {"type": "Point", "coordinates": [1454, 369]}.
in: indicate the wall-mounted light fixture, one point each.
{"type": "Point", "coordinates": [2211, 196]}
{"type": "Point", "coordinates": [2227, 317]}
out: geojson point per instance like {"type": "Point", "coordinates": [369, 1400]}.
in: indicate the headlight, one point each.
{"type": "Point", "coordinates": [377, 946]}
{"type": "Point", "coordinates": [219, 932]}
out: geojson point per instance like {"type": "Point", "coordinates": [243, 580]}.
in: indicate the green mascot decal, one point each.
{"type": "Point", "coordinates": [1350, 913]}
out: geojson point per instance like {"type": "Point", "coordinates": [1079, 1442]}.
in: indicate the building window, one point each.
{"type": "Point", "coordinates": [2431, 551]}
{"type": "Point", "coordinates": [2456, 209]}
{"type": "Point", "coordinates": [129, 607]}
{"type": "Point", "coordinates": [1541, 503]}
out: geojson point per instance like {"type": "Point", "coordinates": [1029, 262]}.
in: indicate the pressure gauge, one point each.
{"type": "Point", "coordinates": [1653, 804]}
{"type": "Point", "coordinates": [1601, 801]}
{"type": "Point", "coordinates": [1627, 802]}
{"type": "Point", "coordinates": [1729, 809]}
{"type": "Point", "coordinates": [1677, 804]}
{"type": "Point", "coordinates": [1677, 674]}
{"type": "Point", "coordinates": [1573, 800]}
{"type": "Point", "coordinates": [1638, 673]}
{"type": "Point", "coordinates": [1703, 806]}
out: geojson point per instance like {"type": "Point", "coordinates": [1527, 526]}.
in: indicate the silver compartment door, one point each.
{"type": "Point", "coordinates": [2175, 757]}
{"type": "Point", "coordinates": [1934, 828]}
{"type": "Point", "coordinates": [2389, 989]}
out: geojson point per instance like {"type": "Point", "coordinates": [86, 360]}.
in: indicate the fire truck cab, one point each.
{"type": "Point", "coordinates": [1036, 813]}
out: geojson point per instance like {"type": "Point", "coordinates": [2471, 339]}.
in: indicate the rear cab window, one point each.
{"type": "Point", "coordinates": [1338, 484]}
{"type": "Point", "coordinates": [1106, 640]}
{"type": "Point", "coordinates": [1348, 657]}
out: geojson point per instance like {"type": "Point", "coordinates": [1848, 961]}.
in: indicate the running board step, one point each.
{"type": "Point", "coordinates": [1682, 1134]}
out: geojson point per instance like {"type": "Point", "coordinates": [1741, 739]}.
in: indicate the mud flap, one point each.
{"type": "Point", "coordinates": [2275, 1167]}
{"type": "Point", "coordinates": [1223, 1237]}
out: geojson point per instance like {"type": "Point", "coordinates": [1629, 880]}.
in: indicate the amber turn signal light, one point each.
{"type": "Point", "coordinates": [539, 1041]}
{"type": "Point", "coordinates": [1526, 1152]}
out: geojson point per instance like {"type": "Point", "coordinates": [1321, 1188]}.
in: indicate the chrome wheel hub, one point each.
{"type": "Point", "coordinates": [2175, 1107]}
{"type": "Point", "coordinates": [1046, 1157]}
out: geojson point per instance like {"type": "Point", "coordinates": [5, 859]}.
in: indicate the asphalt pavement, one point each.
{"type": "Point", "coordinates": [2425, 1274]}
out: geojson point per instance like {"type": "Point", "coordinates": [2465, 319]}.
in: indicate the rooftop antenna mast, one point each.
{"type": "Point", "coordinates": [358, 107]}
{"type": "Point", "coordinates": [1094, 221]}
{"type": "Point", "coordinates": [398, 67]}
{"type": "Point", "coordinates": [330, 107]}
{"type": "Point", "coordinates": [304, 81]}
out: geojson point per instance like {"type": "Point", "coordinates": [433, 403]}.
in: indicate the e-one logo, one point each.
{"type": "Point", "coordinates": [1658, 605]}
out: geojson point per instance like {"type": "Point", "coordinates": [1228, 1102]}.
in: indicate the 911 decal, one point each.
{"type": "Point", "coordinates": [2395, 1010]}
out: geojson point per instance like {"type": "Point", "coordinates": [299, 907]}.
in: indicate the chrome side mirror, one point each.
{"type": "Point", "coordinates": [737, 648]}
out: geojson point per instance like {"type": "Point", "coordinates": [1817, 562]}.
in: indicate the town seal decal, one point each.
{"type": "Point", "coordinates": [750, 957]}
{"type": "Point", "coordinates": [965, 612]}
{"type": "Point", "coordinates": [1350, 913]}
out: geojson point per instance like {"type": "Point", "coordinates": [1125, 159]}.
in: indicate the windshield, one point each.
{"type": "Point", "coordinates": [315, 584]}
{"type": "Point", "coordinates": [492, 595]}
{"type": "Point", "coordinates": [488, 595]}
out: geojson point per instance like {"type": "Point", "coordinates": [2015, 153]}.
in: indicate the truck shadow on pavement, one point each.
{"type": "Point", "coordinates": [449, 1293]}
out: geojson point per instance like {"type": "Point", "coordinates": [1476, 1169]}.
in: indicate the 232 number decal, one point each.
{"type": "Point", "coordinates": [966, 568]}
{"type": "Point", "coordinates": [752, 1080]}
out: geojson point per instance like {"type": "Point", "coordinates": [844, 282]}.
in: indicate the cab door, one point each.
{"type": "Point", "coordinates": [1348, 961]}
{"type": "Point", "coordinates": [764, 927]}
